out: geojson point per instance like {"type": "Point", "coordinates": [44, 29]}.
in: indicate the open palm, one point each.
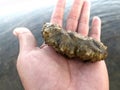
{"type": "Point", "coordinates": [41, 68]}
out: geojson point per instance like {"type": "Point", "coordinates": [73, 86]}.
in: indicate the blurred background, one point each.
{"type": "Point", "coordinates": [22, 6]}
{"type": "Point", "coordinates": [33, 13]}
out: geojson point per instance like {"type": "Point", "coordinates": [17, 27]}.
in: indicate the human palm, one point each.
{"type": "Point", "coordinates": [41, 68]}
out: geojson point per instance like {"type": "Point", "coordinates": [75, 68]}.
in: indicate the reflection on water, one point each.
{"type": "Point", "coordinates": [22, 6]}
{"type": "Point", "coordinates": [107, 10]}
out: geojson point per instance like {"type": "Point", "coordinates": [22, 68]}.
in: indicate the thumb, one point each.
{"type": "Point", "coordinates": [26, 39]}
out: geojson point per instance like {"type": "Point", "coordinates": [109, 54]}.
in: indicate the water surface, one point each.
{"type": "Point", "coordinates": [107, 10]}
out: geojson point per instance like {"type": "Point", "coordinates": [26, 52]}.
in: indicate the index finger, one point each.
{"type": "Point", "coordinates": [57, 16]}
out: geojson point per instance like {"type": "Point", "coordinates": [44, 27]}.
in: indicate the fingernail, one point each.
{"type": "Point", "coordinates": [96, 17]}
{"type": "Point", "coordinates": [20, 30]}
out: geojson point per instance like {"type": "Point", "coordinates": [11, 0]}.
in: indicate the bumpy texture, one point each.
{"type": "Point", "coordinates": [72, 44]}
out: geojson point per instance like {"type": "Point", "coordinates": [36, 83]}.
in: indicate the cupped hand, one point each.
{"type": "Point", "coordinates": [41, 68]}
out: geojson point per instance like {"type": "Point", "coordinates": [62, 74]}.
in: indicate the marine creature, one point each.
{"type": "Point", "coordinates": [72, 44]}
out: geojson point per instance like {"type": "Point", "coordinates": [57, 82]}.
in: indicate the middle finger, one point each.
{"type": "Point", "coordinates": [74, 14]}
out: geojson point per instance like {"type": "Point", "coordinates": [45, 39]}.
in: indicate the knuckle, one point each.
{"type": "Point", "coordinates": [73, 17]}
{"type": "Point", "coordinates": [57, 17]}
{"type": "Point", "coordinates": [84, 20]}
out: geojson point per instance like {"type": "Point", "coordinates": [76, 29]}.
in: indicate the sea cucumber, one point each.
{"type": "Point", "coordinates": [72, 44]}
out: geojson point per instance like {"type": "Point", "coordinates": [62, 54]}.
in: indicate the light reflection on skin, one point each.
{"type": "Point", "coordinates": [24, 6]}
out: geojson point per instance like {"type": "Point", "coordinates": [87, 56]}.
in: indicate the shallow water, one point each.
{"type": "Point", "coordinates": [107, 10]}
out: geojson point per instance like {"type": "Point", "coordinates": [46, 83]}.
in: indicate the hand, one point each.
{"type": "Point", "coordinates": [41, 68]}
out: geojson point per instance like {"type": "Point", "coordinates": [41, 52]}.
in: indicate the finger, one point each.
{"type": "Point", "coordinates": [96, 28]}
{"type": "Point", "coordinates": [57, 15]}
{"type": "Point", "coordinates": [83, 25]}
{"type": "Point", "coordinates": [26, 39]}
{"type": "Point", "coordinates": [74, 15]}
